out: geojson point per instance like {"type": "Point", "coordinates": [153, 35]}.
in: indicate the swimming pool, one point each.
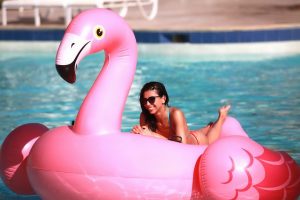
{"type": "Point", "coordinates": [259, 80]}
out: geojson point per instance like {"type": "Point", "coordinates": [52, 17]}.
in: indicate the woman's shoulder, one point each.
{"type": "Point", "coordinates": [176, 112]}
{"type": "Point", "coordinates": [174, 109]}
{"type": "Point", "coordinates": [142, 117]}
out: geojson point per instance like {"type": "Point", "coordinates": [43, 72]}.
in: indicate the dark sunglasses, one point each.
{"type": "Point", "coordinates": [151, 100]}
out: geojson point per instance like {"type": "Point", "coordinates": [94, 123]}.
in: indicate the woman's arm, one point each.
{"type": "Point", "coordinates": [143, 129]}
{"type": "Point", "coordinates": [178, 124]}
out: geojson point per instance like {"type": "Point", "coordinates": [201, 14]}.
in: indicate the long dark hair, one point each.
{"type": "Point", "coordinates": [161, 91]}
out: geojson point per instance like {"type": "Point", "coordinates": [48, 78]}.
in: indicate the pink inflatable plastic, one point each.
{"type": "Point", "coordinates": [94, 160]}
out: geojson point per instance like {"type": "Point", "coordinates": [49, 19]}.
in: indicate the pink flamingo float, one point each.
{"type": "Point", "coordinates": [94, 160]}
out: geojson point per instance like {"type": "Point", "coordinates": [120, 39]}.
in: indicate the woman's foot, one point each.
{"type": "Point", "coordinates": [223, 112]}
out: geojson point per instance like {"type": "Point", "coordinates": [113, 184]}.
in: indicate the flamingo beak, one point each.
{"type": "Point", "coordinates": [67, 72]}
{"type": "Point", "coordinates": [70, 52]}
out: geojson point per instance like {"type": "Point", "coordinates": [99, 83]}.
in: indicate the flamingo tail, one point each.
{"type": "Point", "coordinates": [13, 156]}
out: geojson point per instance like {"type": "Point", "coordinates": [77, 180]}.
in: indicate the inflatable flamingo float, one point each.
{"type": "Point", "coordinates": [94, 160]}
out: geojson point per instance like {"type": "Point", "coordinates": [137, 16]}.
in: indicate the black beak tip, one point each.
{"type": "Point", "coordinates": [67, 72]}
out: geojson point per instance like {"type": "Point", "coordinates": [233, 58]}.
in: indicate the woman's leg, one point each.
{"type": "Point", "coordinates": [212, 131]}
{"type": "Point", "coordinates": [215, 130]}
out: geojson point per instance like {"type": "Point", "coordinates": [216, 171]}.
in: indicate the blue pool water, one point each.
{"type": "Point", "coordinates": [263, 89]}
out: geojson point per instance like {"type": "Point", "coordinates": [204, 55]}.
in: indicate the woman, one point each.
{"type": "Point", "coordinates": [159, 120]}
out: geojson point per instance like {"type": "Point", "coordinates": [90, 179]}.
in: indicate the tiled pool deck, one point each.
{"type": "Point", "coordinates": [193, 21]}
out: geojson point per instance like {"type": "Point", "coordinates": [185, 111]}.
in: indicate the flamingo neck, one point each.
{"type": "Point", "coordinates": [101, 110]}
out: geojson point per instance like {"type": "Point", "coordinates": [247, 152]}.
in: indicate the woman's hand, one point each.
{"type": "Point", "coordinates": [137, 129]}
{"type": "Point", "coordinates": [143, 130]}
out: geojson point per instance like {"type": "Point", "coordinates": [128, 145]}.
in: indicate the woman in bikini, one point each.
{"type": "Point", "coordinates": [158, 119]}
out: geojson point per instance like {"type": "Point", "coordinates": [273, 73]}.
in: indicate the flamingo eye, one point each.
{"type": "Point", "coordinates": [99, 32]}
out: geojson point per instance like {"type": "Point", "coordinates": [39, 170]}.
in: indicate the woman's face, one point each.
{"type": "Point", "coordinates": [152, 101]}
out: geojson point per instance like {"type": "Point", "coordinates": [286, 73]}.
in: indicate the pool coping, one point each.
{"type": "Point", "coordinates": [261, 34]}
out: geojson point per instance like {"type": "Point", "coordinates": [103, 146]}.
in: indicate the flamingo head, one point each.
{"type": "Point", "coordinates": [89, 32]}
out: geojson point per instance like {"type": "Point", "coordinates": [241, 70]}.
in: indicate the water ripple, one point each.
{"type": "Point", "coordinates": [265, 94]}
